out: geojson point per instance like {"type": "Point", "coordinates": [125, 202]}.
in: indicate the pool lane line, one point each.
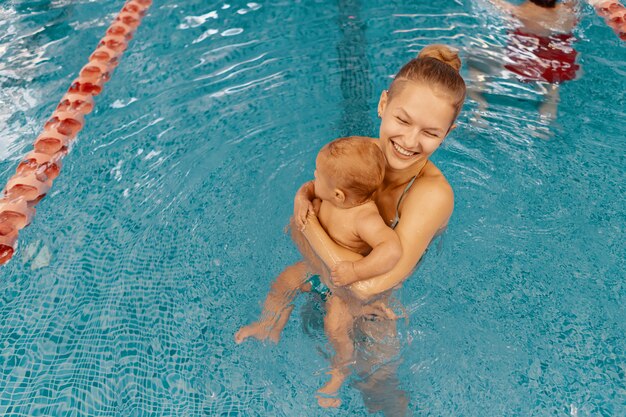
{"type": "Point", "coordinates": [356, 83]}
{"type": "Point", "coordinates": [38, 169]}
{"type": "Point", "coordinates": [614, 14]}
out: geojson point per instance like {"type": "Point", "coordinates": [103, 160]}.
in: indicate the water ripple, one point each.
{"type": "Point", "coordinates": [164, 231]}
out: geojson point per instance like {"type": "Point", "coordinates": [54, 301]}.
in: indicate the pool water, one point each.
{"type": "Point", "coordinates": [163, 232]}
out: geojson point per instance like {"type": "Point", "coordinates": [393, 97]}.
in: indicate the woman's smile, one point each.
{"type": "Point", "coordinates": [414, 123]}
{"type": "Point", "coordinates": [401, 151]}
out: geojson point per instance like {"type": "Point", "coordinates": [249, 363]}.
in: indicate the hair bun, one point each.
{"type": "Point", "coordinates": [442, 53]}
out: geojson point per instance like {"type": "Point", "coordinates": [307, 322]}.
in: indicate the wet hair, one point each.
{"type": "Point", "coordinates": [356, 165]}
{"type": "Point", "coordinates": [548, 4]}
{"type": "Point", "coordinates": [436, 65]}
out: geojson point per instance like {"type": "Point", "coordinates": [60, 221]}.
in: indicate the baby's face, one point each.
{"type": "Point", "coordinates": [324, 187]}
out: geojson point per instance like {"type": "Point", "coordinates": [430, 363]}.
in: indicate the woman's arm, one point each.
{"type": "Point", "coordinates": [426, 210]}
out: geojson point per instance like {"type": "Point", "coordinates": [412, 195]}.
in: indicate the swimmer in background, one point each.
{"type": "Point", "coordinates": [348, 172]}
{"type": "Point", "coordinates": [539, 49]}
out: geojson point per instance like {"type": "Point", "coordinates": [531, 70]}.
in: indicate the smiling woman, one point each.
{"type": "Point", "coordinates": [417, 112]}
{"type": "Point", "coordinates": [162, 233]}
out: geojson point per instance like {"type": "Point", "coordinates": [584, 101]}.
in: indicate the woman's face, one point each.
{"type": "Point", "coordinates": [414, 123]}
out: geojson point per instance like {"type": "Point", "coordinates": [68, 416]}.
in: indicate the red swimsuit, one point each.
{"type": "Point", "coordinates": [542, 58]}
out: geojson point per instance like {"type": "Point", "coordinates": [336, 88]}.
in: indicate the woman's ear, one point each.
{"type": "Point", "coordinates": [450, 130]}
{"type": "Point", "coordinates": [382, 103]}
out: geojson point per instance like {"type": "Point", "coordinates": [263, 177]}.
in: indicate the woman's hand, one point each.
{"type": "Point", "coordinates": [303, 205]}
{"type": "Point", "coordinates": [301, 208]}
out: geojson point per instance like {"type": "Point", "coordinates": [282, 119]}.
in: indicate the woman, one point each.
{"type": "Point", "coordinates": [417, 113]}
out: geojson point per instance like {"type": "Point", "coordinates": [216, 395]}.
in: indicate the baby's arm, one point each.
{"type": "Point", "coordinates": [386, 251]}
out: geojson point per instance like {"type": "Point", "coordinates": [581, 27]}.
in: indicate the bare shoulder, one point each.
{"type": "Point", "coordinates": [367, 212]}
{"type": "Point", "coordinates": [369, 226]}
{"type": "Point", "coordinates": [430, 197]}
{"type": "Point", "coordinates": [434, 183]}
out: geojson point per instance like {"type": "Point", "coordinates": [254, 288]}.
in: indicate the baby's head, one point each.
{"type": "Point", "coordinates": [348, 171]}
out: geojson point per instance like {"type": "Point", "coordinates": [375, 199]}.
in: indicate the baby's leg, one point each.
{"type": "Point", "coordinates": [277, 308]}
{"type": "Point", "coordinates": [338, 326]}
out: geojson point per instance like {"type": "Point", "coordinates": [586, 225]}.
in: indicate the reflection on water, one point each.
{"type": "Point", "coordinates": [28, 33]}
{"type": "Point", "coordinates": [356, 83]}
{"type": "Point", "coordinates": [164, 230]}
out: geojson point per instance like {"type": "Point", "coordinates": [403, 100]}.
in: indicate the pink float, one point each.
{"type": "Point", "coordinates": [37, 170]}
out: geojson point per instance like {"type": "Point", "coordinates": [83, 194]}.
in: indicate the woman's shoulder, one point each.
{"type": "Point", "coordinates": [431, 189]}
{"type": "Point", "coordinates": [427, 207]}
{"type": "Point", "coordinates": [434, 180]}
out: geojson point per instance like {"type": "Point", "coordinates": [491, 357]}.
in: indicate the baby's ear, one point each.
{"type": "Point", "coordinates": [340, 196]}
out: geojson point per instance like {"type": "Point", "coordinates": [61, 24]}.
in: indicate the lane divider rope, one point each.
{"type": "Point", "coordinates": [40, 167]}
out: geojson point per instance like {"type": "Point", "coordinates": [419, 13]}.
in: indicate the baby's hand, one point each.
{"type": "Point", "coordinates": [301, 207]}
{"type": "Point", "coordinates": [343, 273]}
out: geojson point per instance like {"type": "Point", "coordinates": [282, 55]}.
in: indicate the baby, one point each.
{"type": "Point", "coordinates": [348, 172]}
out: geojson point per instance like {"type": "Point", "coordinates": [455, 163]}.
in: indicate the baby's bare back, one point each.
{"type": "Point", "coordinates": [341, 224]}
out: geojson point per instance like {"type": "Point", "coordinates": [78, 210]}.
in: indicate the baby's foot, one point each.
{"type": "Point", "coordinates": [327, 393]}
{"type": "Point", "coordinates": [328, 402]}
{"type": "Point", "coordinates": [262, 330]}
{"type": "Point", "coordinates": [258, 330]}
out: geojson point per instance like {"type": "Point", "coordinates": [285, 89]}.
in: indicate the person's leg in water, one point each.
{"type": "Point", "coordinates": [550, 103]}
{"type": "Point", "coordinates": [377, 357]}
{"type": "Point", "coordinates": [277, 307]}
{"type": "Point", "coordinates": [338, 324]}
{"type": "Point", "coordinates": [474, 91]}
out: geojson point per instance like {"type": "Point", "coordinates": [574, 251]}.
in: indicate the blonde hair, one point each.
{"type": "Point", "coordinates": [356, 165]}
{"type": "Point", "coordinates": [436, 65]}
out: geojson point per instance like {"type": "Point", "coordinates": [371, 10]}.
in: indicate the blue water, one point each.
{"type": "Point", "coordinates": [165, 228]}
